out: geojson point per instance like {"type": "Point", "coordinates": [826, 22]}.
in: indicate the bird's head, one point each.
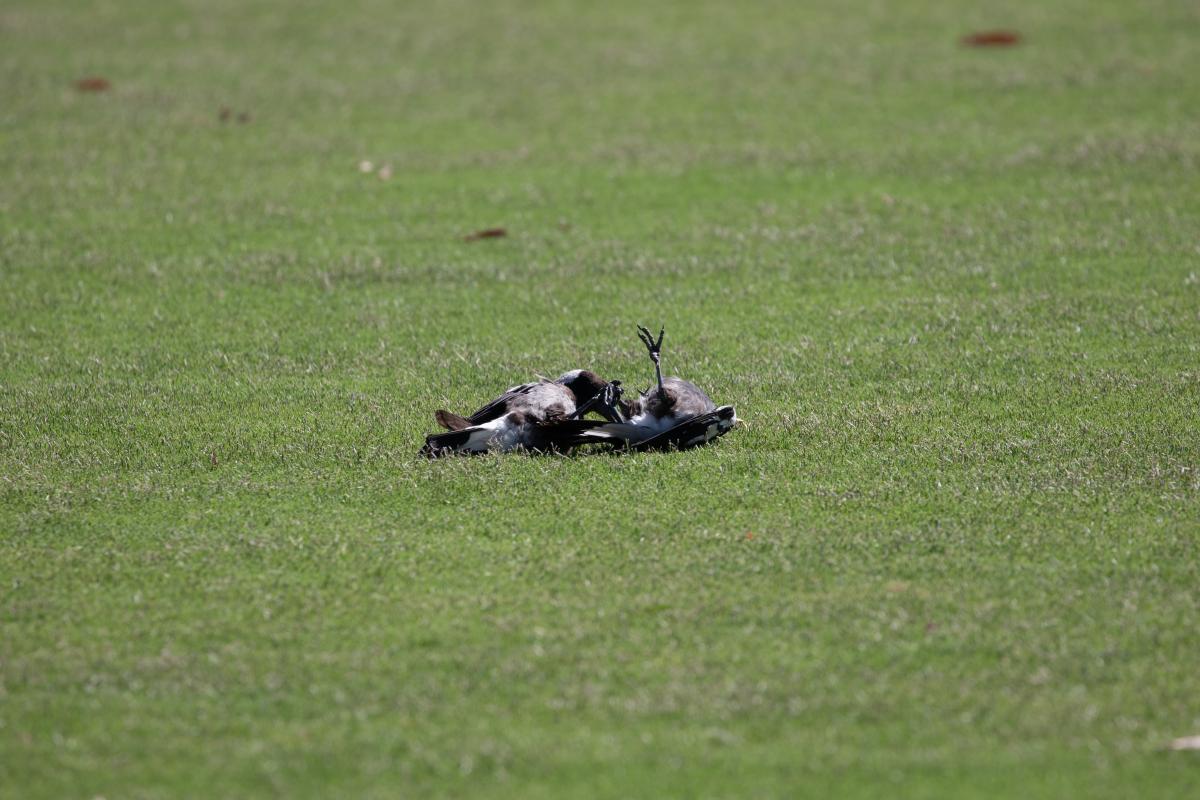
{"type": "Point", "coordinates": [583, 383]}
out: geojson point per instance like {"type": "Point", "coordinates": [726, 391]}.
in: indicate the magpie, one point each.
{"type": "Point", "coordinates": [674, 414]}
{"type": "Point", "coordinates": [532, 416]}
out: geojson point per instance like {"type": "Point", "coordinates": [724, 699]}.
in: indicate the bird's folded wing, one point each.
{"type": "Point", "coordinates": [499, 407]}
{"type": "Point", "coordinates": [563, 434]}
{"type": "Point", "coordinates": [692, 432]}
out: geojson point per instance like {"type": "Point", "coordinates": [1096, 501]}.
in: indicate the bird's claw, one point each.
{"type": "Point", "coordinates": [610, 396]}
{"type": "Point", "coordinates": [609, 392]}
{"type": "Point", "coordinates": [652, 344]}
{"type": "Point", "coordinates": [604, 403]}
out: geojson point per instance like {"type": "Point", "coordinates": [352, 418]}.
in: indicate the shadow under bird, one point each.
{"type": "Point", "coordinates": [673, 414]}
{"type": "Point", "coordinates": [531, 416]}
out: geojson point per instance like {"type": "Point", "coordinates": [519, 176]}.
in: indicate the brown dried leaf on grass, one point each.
{"type": "Point", "coordinates": [93, 84]}
{"type": "Point", "coordinates": [486, 233]}
{"type": "Point", "coordinates": [226, 114]}
{"type": "Point", "coordinates": [991, 39]}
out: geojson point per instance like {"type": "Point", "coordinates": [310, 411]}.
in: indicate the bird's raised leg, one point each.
{"type": "Point", "coordinates": [654, 346]}
{"type": "Point", "coordinates": [583, 409]}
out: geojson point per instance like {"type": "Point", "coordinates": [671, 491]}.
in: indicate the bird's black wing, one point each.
{"type": "Point", "coordinates": [692, 432]}
{"type": "Point", "coordinates": [499, 407]}
{"type": "Point", "coordinates": [563, 434]}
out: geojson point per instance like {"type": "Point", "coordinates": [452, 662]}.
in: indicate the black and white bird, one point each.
{"type": "Point", "coordinates": [673, 414]}
{"type": "Point", "coordinates": [532, 416]}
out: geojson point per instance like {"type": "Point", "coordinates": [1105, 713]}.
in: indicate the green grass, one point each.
{"type": "Point", "coordinates": [954, 553]}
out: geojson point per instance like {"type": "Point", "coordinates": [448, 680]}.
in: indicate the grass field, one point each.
{"type": "Point", "coordinates": [955, 293]}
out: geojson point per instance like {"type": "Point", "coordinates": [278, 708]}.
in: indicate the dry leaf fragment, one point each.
{"type": "Point", "coordinates": [224, 114]}
{"type": "Point", "coordinates": [385, 172]}
{"type": "Point", "coordinates": [486, 233]}
{"type": "Point", "coordinates": [991, 39]}
{"type": "Point", "coordinates": [1185, 743]}
{"type": "Point", "coordinates": [93, 84]}
{"type": "Point", "coordinates": [365, 166]}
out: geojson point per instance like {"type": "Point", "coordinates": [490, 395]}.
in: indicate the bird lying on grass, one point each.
{"type": "Point", "coordinates": [675, 414]}
{"type": "Point", "coordinates": [531, 416]}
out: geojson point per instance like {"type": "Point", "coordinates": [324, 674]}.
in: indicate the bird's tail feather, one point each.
{"type": "Point", "coordinates": [451, 421]}
{"type": "Point", "coordinates": [474, 439]}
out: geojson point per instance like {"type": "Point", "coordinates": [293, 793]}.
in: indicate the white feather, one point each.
{"type": "Point", "coordinates": [499, 434]}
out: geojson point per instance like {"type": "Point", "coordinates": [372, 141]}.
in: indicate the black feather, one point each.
{"type": "Point", "coordinates": [440, 444]}
{"type": "Point", "coordinates": [692, 432]}
{"type": "Point", "coordinates": [560, 435]}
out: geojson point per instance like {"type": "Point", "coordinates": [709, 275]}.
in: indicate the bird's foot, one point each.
{"type": "Point", "coordinates": [654, 346]}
